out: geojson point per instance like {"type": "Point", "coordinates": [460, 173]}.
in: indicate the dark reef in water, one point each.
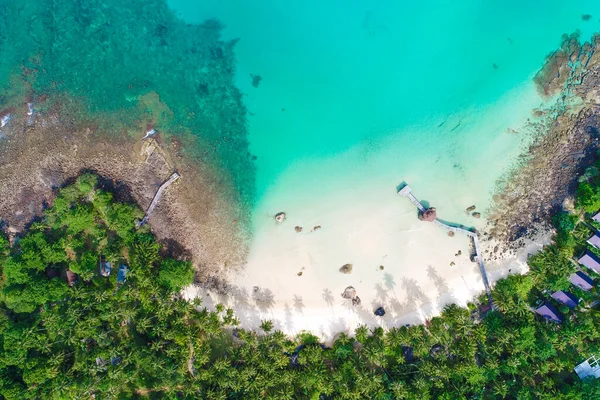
{"type": "Point", "coordinates": [111, 55]}
{"type": "Point", "coordinates": [566, 142]}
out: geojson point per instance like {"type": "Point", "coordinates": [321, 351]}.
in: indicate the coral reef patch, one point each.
{"type": "Point", "coordinates": [566, 141]}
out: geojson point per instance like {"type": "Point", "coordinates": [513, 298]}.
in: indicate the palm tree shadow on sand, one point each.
{"type": "Point", "coordinates": [327, 296]}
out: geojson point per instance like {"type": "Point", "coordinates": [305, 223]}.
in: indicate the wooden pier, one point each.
{"type": "Point", "coordinates": [159, 192]}
{"type": "Point", "coordinates": [406, 192]}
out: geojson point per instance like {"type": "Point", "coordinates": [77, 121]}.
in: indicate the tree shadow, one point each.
{"type": "Point", "coordinates": [389, 281]}
{"type": "Point", "coordinates": [415, 295]}
{"type": "Point", "coordinates": [298, 304]}
{"type": "Point", "coordinates": [337, 327]}
{"type": "Point", "coordinates": [244, 310]}
{"type": "Point", "coordinates": [327, 295]}
{"type": "Point", "coordinates": [366, 316]}
{"type": "Point", "coordinates": [264, 299]}
{"type": "Point", "coordinates": [445, 299]}
{"type": "Point", "coordinates": [440, 283]}
{"type": "Point", "coordinates": [381, 294]}
{"type": "Point", "coordinates": [289, 320]}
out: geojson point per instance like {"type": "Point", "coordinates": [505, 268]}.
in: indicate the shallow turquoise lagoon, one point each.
{"type": "Point", "coordinates": [355, 97]}
{"type": "Point", "coordinates": [339, 74]}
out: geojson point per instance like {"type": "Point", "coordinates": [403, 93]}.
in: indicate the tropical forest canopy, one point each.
{"type": "Point", "coordinates": [68, 332]}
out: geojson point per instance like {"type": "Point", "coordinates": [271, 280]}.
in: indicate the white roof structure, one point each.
{"type": "Point", "coordinates": [404, 191]}
{"type": "Point", "coordinates": [590, 367]}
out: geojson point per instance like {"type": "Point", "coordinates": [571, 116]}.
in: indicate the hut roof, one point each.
{"type": "Point", "coordinates": [105, 268]}
{"type": "Point", "coordinates": [581, 280]}
{"type": "Point", "coordinates": [547, 311]}
{"type": "Point", "coordinates": [428, 215]}
{"type": "Point", "coordinates": [566, 298]}
{"type": "Point", "coordinates": [596, 217]}
{"type": "Point", "coordinates": [122, 273]}
{"type": "Point", "coordinates": [71, 277]}
{"type": "Point", "coordinates": [590, 261]}
{"type": "Point", "coordinates": [595, 241]}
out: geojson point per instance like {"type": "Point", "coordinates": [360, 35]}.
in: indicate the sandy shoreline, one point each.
{"type": "Point", "coordinates": [313, 302]}
{"type": "Point", "coordinates": [293, 278]}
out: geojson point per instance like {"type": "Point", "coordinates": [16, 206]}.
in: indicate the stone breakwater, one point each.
{"type": "Point", "coordinates": [566, 142]}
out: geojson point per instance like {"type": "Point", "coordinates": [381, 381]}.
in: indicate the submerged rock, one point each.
{"type": "Point", "coordinates": [346, 269]}
{"type": "Point", "coordinates": [568, 204]}
{"type": "Point", "coordinates": [349, 293]}
{"type": "Point", "coordinates": [280, 216]}
{"type": "Point", "coordinates": [476, 215]}
{"type": "Point", "coordinates": [471, 208]}
{"type": "Point", "coordinates": [256, 80]}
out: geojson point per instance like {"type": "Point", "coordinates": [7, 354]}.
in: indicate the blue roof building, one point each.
{"type": "Point", "coordinates": [123, 269]}
{"type": "Point", "coordinates": [581, 280]}
{"type": "Point", "coordinates": [595, 241]}
{"type": "Point", "coordinates": [565, 298]}
{"type": "Point", "coordinates": [590, 261]}
{"type": "Point", "coordinates": [550, 313]}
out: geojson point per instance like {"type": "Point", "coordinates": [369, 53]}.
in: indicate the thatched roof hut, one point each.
{"type": "Point", "coordinates": [72, 277]}
{"type": "Point", "coordinates": [428, 215]}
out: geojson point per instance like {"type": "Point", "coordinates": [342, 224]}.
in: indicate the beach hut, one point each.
{"type": "Point", "coordinates": [565, 298]}
{"type": "Point", "coordinates": [581, 280]}
{"type": "Point", "coordinates": [590, 261]}
{"type": "Point", "coordinates": [122, 273]}
{"type": "Point", "coordinates": [71, 277]}
{"type": "Point", "coordinates": [550, 313]}
{"type": "Point", "coordinates": [105, 268]}
{"type": "Point", "coordinates": [590, 367]}
{"type": "Point", "coordinates": [596, 217]}
{"type": "Point", "coordinates": [595, 241]}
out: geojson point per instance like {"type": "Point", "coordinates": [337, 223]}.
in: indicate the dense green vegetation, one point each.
{"type": "Point", "coordinates": [139, 338]}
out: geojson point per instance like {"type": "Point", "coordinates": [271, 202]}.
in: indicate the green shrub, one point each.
{"type": "Point", "coordinates": [588, 197]}
{"type": "Point", "coordinates": [175, 275]}
{"type": "Point", "coordinates": [564, 222]}
{"type": "Point", "coordinates": [86, 183]}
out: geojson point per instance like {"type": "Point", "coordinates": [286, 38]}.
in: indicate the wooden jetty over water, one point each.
{"type": "Point", "coordinates": [407, 192]}
{"type": "Point", "coordinates": [159, 192]}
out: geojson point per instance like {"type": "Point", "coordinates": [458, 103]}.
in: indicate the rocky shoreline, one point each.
{"type": "Point", "coordinates": [566, 142]}
{"type": "Point", "coordinates": [195, 220]}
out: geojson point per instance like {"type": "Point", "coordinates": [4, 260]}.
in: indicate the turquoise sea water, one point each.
{"type": "Point", "coordinates": [339, 74]}
{"type": "Point", "coordinates": [356, 97]}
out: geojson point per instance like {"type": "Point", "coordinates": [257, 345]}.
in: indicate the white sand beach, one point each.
{"type": "Point", "coordinates": [346, 108]}
{"type": "Point", "coordinates": [293, 278]}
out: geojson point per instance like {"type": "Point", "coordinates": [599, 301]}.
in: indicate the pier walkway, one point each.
{"type": "Point", "coordinates": [406, 192]}
{"type": "Point", "coordinates": [161, 189]}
